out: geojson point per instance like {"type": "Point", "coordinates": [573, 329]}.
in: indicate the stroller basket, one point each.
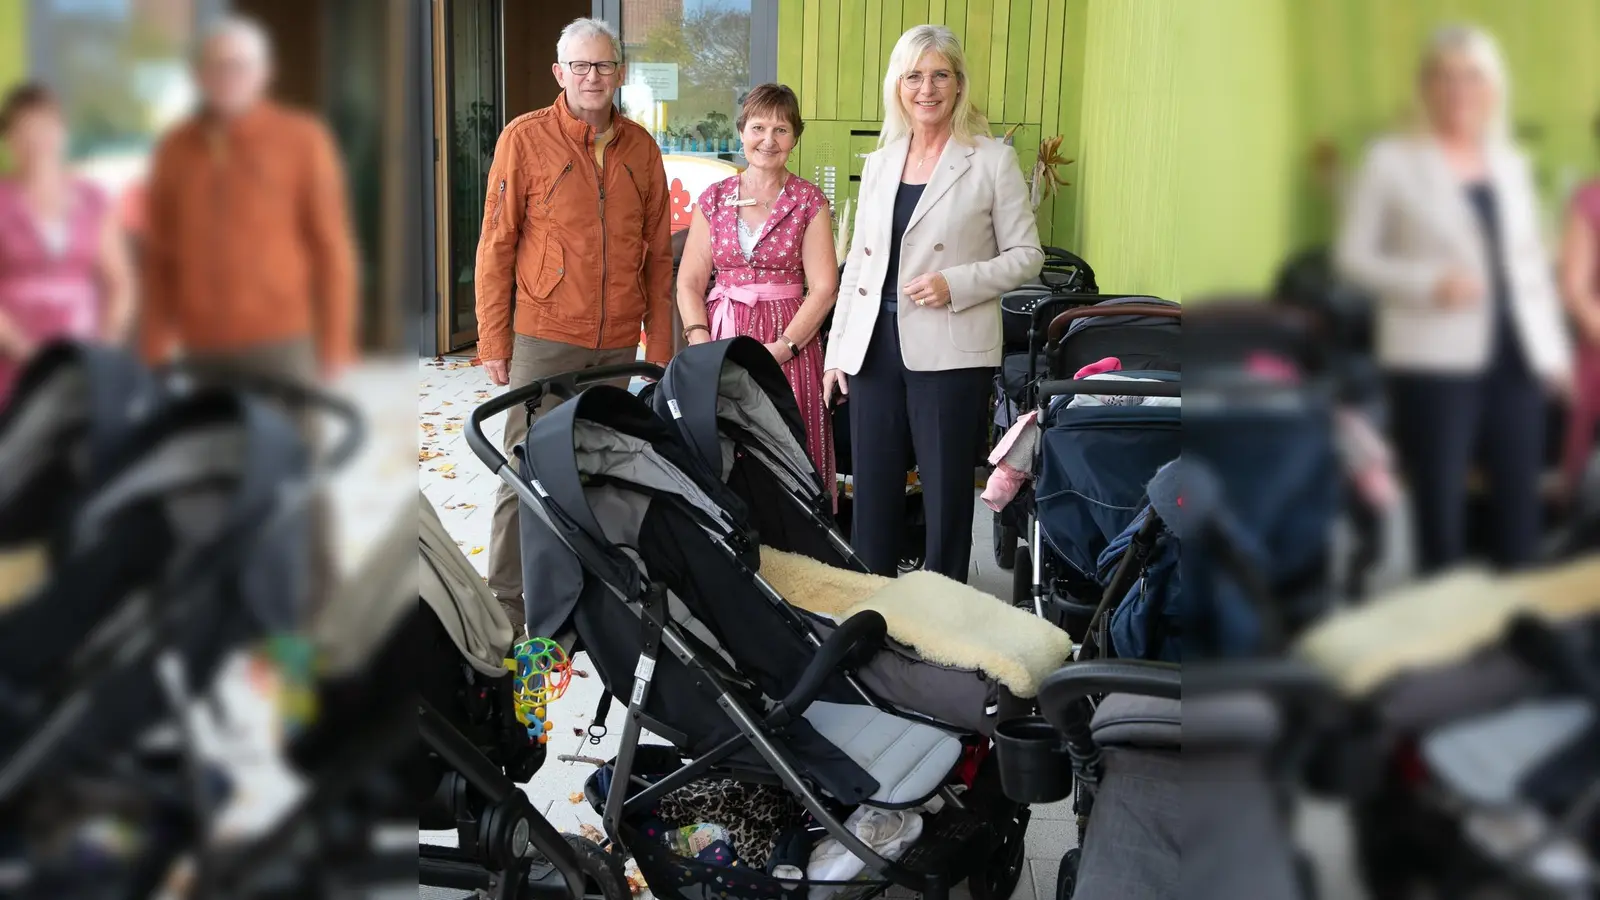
{"type": "Point", "coordinates": [950, 834]}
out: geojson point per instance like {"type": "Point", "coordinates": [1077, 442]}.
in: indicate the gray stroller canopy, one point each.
{"type": "Point", "coordinates": [451, 587]}
{"type": "Point", "coordinates": [738, 382]}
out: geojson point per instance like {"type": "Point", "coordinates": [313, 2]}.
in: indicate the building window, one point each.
{"type": "Point", "coordinates": [688, 68]}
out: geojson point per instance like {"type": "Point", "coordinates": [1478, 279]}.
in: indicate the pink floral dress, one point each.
{"type": "Point", "coordinates": [49, 290]}
{"type": "Point", "coordinates": [758, 295]}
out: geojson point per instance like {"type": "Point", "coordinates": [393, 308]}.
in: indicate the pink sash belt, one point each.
{"type": "Point", "coordinates": [721, 301]}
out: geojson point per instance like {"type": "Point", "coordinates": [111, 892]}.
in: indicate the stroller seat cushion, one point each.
{"type": "Point", "coordinates": [908, 760]}
{"type": "Point", "coordinates": [1137, 721]}
{"type": "Point", "coordinates": [1443, 621]}
{"type": "Point", "coordinates": [947, 622]}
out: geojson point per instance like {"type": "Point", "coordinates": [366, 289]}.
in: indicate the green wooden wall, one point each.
{"type": "Point", "coordinates": [13, 42]}
{"type": "Point", "coordinates": [1024, 58]}
{"type": "Point", "coordinates": [1355, 77]}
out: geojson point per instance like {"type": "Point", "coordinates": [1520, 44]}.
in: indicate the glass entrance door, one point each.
{"type": "Point", "coordinates": [474, 111]}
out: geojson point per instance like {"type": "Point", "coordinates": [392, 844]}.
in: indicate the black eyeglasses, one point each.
{"type": "Point", "coordinates": [580, 67]}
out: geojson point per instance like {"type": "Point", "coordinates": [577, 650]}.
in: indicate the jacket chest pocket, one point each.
{"type": "Point", "coordinates": [543, 198]}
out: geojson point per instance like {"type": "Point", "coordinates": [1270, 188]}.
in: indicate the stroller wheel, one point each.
{"type": "Point", "coordinates": [1067, 877]}
{"type": "Point", "coordinates": [603, 876]}
{"type": "Point", "coordinates": [1022, 579]}
{"type": "Point", "coordinates": [1005, 544]}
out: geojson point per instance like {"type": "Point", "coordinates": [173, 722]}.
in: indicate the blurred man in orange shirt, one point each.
{"type": "Point", "coordinates": [250, 265]}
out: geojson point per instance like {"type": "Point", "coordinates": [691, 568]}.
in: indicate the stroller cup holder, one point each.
{"type": "Point", "coordinates": [1035, 766]}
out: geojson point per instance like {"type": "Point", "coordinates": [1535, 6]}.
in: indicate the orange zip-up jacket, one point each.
{"type": "Point", "coordinates": [249, 239]}
{"type": "Point", "coordinates": [588, 250]}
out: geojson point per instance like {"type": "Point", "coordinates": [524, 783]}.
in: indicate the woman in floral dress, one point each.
{"type": "Point", "coordinates": [766, 236]}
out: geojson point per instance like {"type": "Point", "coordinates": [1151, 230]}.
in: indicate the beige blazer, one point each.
{"type": "Point", "coordinates": [974, 224]}
{"type": "Point", "coordinates": [1408, 222]}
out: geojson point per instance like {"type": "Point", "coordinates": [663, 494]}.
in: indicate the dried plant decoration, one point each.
{"type": "Point", "coordinates": [1046, 181]}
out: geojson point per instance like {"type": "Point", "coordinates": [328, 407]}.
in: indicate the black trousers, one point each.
{"type": "Point", "coordinates": [938, 415]}
{"type": "Point", "coordinates": [1444, 424]}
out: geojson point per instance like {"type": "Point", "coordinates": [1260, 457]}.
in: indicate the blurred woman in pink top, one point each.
{"type": "Point", "coordinates": [1580, 285]}
{"type": "Point", "coordinates": [766, 238]}
{"type": "Point", "coordinates": [64, 270]}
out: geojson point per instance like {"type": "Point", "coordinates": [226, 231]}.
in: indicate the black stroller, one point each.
{"type": "Point", "coordinates": [735, 409]}
{"type": "Point", "coordinates": [674, 620]}
{"type": "Point", "coordinates": [154, 529]}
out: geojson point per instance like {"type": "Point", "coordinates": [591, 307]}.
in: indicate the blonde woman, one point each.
{"type": "Point", "coordinates": [943, 227]}
{"type": "Point", "coordinates": [1443, 227]}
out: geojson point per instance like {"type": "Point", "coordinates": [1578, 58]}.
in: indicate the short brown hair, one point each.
{"type": "Point", "coordinates": [26, 98]}
{"type": "Point", "coordinates": [772, 99]}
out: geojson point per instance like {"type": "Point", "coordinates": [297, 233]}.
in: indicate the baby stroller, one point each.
{"type": "Point", "coordinates": [736, 411]}
{"type": "Point", "coordinates": [148, 531]}
{"type": "Point", "coordinates": [1092, 460]}
{"type": "Point", "coordinates": [1470, 732]}
{"type": "Point", "coordinates": [673, 617]}
{"type": "Point", "coordinates": [474, 752]}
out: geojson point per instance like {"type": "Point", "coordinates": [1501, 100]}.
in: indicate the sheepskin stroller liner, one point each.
{"type": "Point", "coordinates": [175, 545]}
{"type": "Point", "coordinates": [667, 565]}
{"type": "Point", "coordinates": [735, 409]}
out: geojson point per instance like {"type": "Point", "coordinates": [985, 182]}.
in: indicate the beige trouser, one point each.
{"type": "Point", "coordinates": [531, 358]}
{"type": "Point", "coordinates": [294, 361]}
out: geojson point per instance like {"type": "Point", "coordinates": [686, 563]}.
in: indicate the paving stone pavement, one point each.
{"type": "Point", "coordinates": [462, 490]}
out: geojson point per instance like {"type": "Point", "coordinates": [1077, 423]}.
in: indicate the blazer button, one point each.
{"type": "Point", "coordinates": [862, 291]}
{"type": "Point", "coordinates": [869, 251]}
{"type": "Point", "coordinates": [938, 246]}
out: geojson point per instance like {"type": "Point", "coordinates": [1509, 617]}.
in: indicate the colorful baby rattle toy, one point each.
{"type": "Point", "coordinates": [542, 673]}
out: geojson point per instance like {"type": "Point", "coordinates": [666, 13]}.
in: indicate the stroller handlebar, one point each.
{"type": "Point", "coordinates": [1076, 680]}
{"type": "Point", "coordinates": [566, 386]}
{"type": "Point", "coordinates": [302, 397]}
{"type": "Point", "coordinates": [1058, 325]}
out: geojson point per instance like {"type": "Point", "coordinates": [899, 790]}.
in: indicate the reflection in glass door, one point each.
{"type": "Point", "coordinates": [474, 109]}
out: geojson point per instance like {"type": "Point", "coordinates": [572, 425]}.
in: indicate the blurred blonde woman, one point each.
{"type": "Point", "coordinates": [1443, 227]}
{"type": "Point", "coordinates": [943, 228]}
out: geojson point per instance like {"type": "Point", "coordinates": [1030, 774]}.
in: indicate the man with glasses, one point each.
{"type": "Point", "coordinates": [574, 258]}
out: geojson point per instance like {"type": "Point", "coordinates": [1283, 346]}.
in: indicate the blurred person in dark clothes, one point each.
{"type": "Point", "coordinates": [64, 266]}
{"type": "Point", "coordinates": [575, 256]}
{"type": "Point", "coordinates": [1443, 227]}
{"type": "Point", "coordinates": [1580, 283]}
{"type": "Point", "coordinates": [250, 266]}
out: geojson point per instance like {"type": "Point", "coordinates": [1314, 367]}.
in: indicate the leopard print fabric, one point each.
{"type": "Point", "coordinates": [754, 814]}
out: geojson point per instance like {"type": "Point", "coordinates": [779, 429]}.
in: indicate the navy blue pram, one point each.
{"type": "Point", "coordinates": [1096, 454]}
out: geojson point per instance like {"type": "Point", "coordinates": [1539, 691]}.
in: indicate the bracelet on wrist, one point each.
{"type": "Point", "coordinates": [794, 350]}
{"type": "Point", "coordinates": [693, 328]}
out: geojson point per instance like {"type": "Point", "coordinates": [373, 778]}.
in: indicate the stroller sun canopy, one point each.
{"type": "Point", "coordinates": [737, 381]}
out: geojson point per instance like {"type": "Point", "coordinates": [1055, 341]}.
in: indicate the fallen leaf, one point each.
{"type": "Point", "coordinates": [446, 403]}
{"type": "Point", "coordinates": [466, 506]}
{"type": "Point", "coordinates": [434, 413]}
{"type": "Point", "coordinates": [447, 467]}
{"type": "Point", "coordinates": [438, 359]}
{"type": "Point", "coordinates": [575, 797]}
{"type": "Point", "coordinates": [592, 833]}
{"type": "Point", "coordinates": [578, 732]}
{"type": "Point", "coordinates": [475, 551]}
{"type": "Point", "coordinates": [447, 475]}
{"type": "Point", "coordinates": [455, 419]}
{"type": "Point", "coordinates": [579, 673]}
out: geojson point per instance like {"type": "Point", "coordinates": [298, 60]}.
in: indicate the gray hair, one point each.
{"type": "Point", "coordinates": [584, 29]}
{"type": "Point", "coordinates": [243, 28]}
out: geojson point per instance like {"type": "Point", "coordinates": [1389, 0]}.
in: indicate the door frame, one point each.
{"type": "Point", "coordinates": [450, 340]}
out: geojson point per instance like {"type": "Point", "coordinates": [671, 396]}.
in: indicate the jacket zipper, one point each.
{"type": "Point", "coordinates": [600, 178]}
{"type": "Point", "coordinates": [552, 192]}
{"type": "Point", "coordinates": [494, 221]}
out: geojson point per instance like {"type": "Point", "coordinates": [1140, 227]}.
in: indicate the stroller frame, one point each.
{"type": "Point", "coordinates": [861, 633]}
